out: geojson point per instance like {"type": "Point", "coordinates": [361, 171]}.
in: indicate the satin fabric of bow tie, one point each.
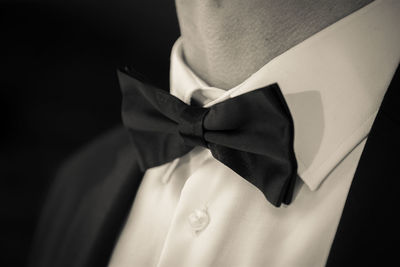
{"type": "Point", "coordinates": [252, 134]}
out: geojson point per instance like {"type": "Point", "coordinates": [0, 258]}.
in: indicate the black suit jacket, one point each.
{"type": "Point", "coordinates": [94, 191]}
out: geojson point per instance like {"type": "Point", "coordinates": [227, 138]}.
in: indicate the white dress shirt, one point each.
{"type": "Point", "coordinates": [195, 211]}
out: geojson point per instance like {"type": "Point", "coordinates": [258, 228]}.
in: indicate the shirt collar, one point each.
{"type": "Point", "coordinates": [333, 83]}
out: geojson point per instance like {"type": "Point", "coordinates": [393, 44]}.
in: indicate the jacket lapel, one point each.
{"type": "Point", "coordinates": [366, 232]}
{"type": "Point", "coordinates": [87, 205]}
{"type": "Point", "coordinates": [99, 219]}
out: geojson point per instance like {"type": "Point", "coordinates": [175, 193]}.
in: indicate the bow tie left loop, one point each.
{"type": "Point", "coordinates": [191, 127]}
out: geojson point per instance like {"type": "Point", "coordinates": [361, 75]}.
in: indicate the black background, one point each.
{"type": "Point", "coordinates": [59, 90]}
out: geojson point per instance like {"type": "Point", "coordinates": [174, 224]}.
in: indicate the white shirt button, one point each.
{"type": "Point", "coordinates": [199, 219]}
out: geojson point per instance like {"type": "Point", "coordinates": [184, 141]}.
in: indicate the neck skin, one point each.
{"type": "Point", "coordinates": [225, 41]}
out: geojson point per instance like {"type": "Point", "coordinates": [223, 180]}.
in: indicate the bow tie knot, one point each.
{"type": "Point", "coordinates": [191, 127]}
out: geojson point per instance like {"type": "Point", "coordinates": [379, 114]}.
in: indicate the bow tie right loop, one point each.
{"type": "Point", "coordinates": [190, 126]}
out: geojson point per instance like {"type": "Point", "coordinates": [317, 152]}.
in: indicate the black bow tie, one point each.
{"type": "Point", "coordinates": [252, 133]}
